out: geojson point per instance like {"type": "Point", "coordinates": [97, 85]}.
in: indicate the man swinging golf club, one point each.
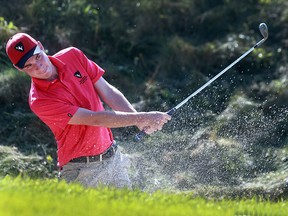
{"type": "Point", "coordinates": [67, 90]}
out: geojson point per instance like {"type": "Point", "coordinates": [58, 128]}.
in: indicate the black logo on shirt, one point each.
{"type": "Point", "coordinates": [77, 74]}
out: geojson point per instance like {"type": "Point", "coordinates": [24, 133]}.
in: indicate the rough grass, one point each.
{"type": "Point", "coordinates": [15, 163]}
{"type": "Point", "coordinates": [48, 197]}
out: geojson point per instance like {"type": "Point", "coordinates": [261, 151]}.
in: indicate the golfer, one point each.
{"type": "Point", "coordinates": [67, 91]}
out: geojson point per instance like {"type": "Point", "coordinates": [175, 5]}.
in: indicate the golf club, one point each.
{"type": "Point", "coordinates": [263, 30]}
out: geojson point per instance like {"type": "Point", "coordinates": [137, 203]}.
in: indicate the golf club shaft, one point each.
{"type": "Point", "coordinates": [171, 112]}
{"type": "Point", "coordinates": [210, 81]}
{"type": "Point", "coordinates": [142, 133]}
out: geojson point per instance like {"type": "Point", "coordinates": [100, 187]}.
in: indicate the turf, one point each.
{"type": "Point", "coordinates": [20, 196]}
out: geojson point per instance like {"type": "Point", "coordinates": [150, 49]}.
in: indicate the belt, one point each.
{"type": "Point", "coordinates": [105, 155]}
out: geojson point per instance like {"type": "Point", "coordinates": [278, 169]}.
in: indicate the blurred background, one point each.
{"type": "Point", "coordinates": [232, 134]}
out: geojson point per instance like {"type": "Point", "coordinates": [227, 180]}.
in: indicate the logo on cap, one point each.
{"type": "Point", "coordinates": [20, 47]}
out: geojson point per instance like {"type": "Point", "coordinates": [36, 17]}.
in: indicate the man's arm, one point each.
{"type": "Point", "coordinates": [115, 119]}
{"type": "Point", "coordinates": [124, 114]}
{"type": "Point", "coordinates": [112, 96]}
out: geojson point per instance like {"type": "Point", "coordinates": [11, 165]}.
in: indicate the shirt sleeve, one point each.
{"type": "Point", "coordinates": [55, 114]}
{"type": "Point", "coordinates": [94, 71]}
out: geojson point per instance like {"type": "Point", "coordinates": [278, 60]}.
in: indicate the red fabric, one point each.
{"type": "Point", "coordinates": [19, 45]}
{"type": "Point", "coordinates": [57, 101]}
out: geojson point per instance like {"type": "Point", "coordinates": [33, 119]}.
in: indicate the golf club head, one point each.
{"type": "Point", "coordinates": [264, 30]}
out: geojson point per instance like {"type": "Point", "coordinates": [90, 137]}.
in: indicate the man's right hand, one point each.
{"type": "Point", "coordinates": [152, 121]}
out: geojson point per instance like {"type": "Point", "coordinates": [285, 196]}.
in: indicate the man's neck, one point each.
{"type": "Point", "coordinates": [54, 73]}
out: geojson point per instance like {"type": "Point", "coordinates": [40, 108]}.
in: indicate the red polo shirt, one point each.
{"type": "Point", "coordinates": [55, 102]}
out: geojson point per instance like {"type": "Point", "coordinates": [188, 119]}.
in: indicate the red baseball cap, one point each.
{"type": "Point", "coordinates": [20, 48]}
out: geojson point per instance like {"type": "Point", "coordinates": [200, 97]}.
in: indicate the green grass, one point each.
{"type": "Point", "coordinates": [48, 197]}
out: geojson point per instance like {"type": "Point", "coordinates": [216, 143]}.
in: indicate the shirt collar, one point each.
{"type": "Point", "coordinates": [44, 84]}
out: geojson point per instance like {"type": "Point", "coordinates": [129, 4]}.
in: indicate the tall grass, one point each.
{"type": "Point", "coordinates": [49, 197]}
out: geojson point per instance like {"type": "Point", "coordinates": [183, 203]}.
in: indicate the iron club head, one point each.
{"type": "Point", "coordinates": [264, 30]}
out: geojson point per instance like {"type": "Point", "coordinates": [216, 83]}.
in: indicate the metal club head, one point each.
{"type": "Point", "coordinates": [264, 30]}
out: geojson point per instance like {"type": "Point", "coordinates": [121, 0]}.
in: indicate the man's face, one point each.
{"type": "Point", "coordinates": [39, 66]}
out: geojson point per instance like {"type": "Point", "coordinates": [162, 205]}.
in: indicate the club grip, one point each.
{"type": "Point", "coordinates": [139, 136]}
{"type": "Point", "coordinates": [171, 111]}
